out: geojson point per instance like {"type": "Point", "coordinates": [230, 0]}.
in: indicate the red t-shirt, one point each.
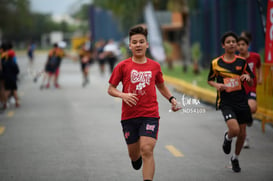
{"type": "Point", "coordinates": [141, 80]}
{"type": "Point", "coordinates": [254, 62]}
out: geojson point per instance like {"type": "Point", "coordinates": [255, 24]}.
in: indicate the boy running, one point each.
{"type": "Point", "coordinates": [140, 117]}
{"type": "Point", "coordinates": [10, 71]}
{"type": "Point", "coordinates": [254, 62]}
{"type": "Point", "coordinates": [230, 71]}
{"type": "Point", "coordinates": [53, 62]}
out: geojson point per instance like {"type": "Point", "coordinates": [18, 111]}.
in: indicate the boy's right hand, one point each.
{"type": "Point", "coordinates": [221, 87]}
{"type": "Point", "coordinates": [130, 99]}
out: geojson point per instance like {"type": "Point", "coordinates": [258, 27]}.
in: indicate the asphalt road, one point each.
{"type": "Point", "coordinates": [74, 134]}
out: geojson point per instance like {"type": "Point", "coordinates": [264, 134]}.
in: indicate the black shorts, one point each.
{"type": "Point", "coordinates": [142, 126]}
{"type": "Point", "coordinates": [243, 116]}
{"type": "Point", "coordinates": [101, 61]}
{"type": "Point", "coordinates": [84, 65]}
{"type": "Point", "coordinates": [252, 95]}
{"type": "Point", "coordinates": [30, 54]}
{"type": "Point", "coordinates": [51, 68]}
{"type": "Point", "coordinates": [10, 85]}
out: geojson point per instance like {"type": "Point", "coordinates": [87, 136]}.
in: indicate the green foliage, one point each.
{"type": "Point", "coordinates": [18, 23]}
{"type": "Point", "coordinates": [15, 17]}
{"type": "Point", "coordinates": [82, 13]}
{"type": "Point", "coordinates": [176, 5]}
{"type": "Point", "coordinates": [196, 52]}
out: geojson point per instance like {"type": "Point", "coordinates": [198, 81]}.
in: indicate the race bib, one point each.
{"type": "Point", "coordinates": [233, 84]}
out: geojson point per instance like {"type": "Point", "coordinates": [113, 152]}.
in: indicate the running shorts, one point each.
{"type": "Point", "coordinates": [243, 116]}
{"type": "Point", "coordinates": [84, 65]}
{"type": "Point", "coordinates": [10, 85]}
{"type": "Point", "coordinates": [142, 126]}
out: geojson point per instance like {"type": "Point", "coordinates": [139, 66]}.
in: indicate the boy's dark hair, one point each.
{"type": "Point", "coordinates": [5, 46]}
{"type": "Point", "coordinates": [55, 45]}
{"type": "Point", "coordinates": [138, 30]}
{"type": "Point", "coordinates": [225, 35]}
{"type": "Point", "coordinates": [247, 35]}
{"type": "Point", "coordinates": [9, 45]}
{"type": "Point", "coordinates": [241, 38]}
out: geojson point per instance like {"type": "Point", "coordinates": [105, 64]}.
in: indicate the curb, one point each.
{"type": "Point", "coordinates": [192, 90]}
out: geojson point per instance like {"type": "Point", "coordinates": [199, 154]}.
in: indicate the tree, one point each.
{"type": "Point", "coordinates": [82, 16]}
{"type": "Point", "coordinates": [15, 18]}
{"type": "Point", "coordinates": [19, 24]}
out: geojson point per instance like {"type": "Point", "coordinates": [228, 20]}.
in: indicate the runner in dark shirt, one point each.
{"type": "Point", "coordinates": [230, 71]}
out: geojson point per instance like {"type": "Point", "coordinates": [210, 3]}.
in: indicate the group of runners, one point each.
{"type": "Point", "coordinates": [88, 53]}
{"type": "Point", "coordinates": [54, 60]}
{"type": "Point", "coordinates": [231, 74]}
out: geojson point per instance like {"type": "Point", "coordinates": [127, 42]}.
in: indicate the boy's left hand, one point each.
{"type": "Point", "coordinates": [175, 105]}
{"type": "Point", "coordinates": [245, 77]}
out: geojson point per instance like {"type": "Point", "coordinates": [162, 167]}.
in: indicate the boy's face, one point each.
{"type": "Point", "coordinates": [230, 44]}
{"type": "Point", "coordinates": [242, 47]}
{"type": "Point", "coordinates": [138, 45]}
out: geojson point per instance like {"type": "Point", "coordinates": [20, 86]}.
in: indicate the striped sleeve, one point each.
{"type": "Point", "coordinates": [212, 72]}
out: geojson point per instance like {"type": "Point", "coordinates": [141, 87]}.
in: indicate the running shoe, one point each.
{"type": "Point", "coordinates": [235, 165]}
{"type": "Point", "coordinates": [35, 80]}
{"type": "Point", "coordinates": [137, 164]}
{"type": "Point", "coordinates": [85, 82]}
{"type": "Point", "coordinates": [17, 105]}
{"type": "Point", "coordinates": [226, 144]}
{"type": "Point", "coordinates": [246, 144]}
{"type": "Point", "coordinates": [57, 86]}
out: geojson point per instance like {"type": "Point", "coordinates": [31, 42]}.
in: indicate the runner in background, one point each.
{"type": "Point", "coordinates": [254, 62]}
{"type": "Point", "coordinates": [10, 71]}
{"type": "Point", "coordinates": [248, 36]}
{"type": "Point", "coordinates": [86, 59]}
{"type": "Point", "coordinates": [30, 52]}
{"type": "Point", "coordinates": [52, 64]}
{"type": "Point", "coordinates": [111, 53]}
{"type": "Point", "coordinates": [230, 71]}
{"type": "Point", "coordinates": [100, 56]}
{"type": "Point", "coordinates": [61, 48]}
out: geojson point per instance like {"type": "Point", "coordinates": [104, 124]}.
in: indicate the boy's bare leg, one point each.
{"type": "Point", "coordinates": [7, 93]}
{"type": "Point", "coordinates": [233, 128]}
{"type": "Point", "coordinates": [240, 139]}
{"type": "Point", "coordinates": [15, 94]}
{"type": "Point", "coordinates": [147, 145]}
{"type": "Point", "coordinates": [134, 151]}
{"type": "Point", "coordinates": [253, 105]}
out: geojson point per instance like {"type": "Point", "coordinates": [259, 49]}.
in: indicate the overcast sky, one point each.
{"type": "Point", "coordinates": [56, 7]}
